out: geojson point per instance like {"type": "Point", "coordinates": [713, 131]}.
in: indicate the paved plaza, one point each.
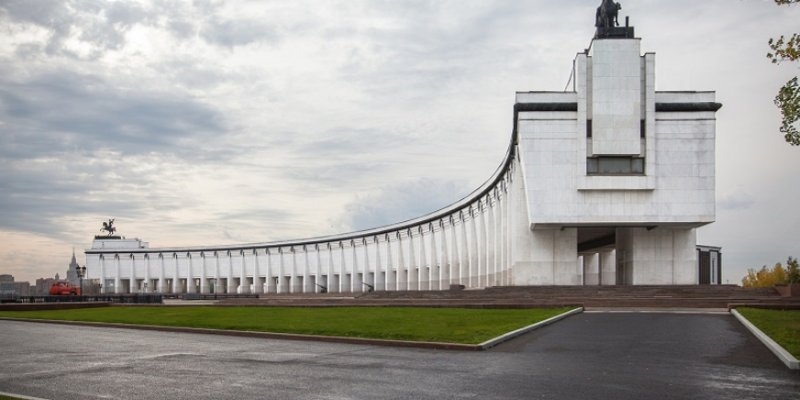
{"type": "Point", "coordinates": [588, 356]}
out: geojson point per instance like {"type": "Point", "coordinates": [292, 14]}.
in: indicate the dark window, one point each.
{"type": "Point", "coordinates": [641, 128]}
{"type": "Point", "coordinates": [588, 128]}
{"type": "Point", "coordinates": [615, 166]}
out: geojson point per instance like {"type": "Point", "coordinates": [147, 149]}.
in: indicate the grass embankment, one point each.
{"type": "Point", "coordinates": [451, 325]}
{"type": "Point", "coordinates": [783, 326]}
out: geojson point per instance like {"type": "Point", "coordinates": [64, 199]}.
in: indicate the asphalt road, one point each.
{"type": "Point", "coordinates": [588, 356]}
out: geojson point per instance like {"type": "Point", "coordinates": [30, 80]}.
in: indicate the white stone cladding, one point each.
{"type": "Point", "coordinates": [616, 96]}
{"type": "Point", "coordinates": [544, 218]}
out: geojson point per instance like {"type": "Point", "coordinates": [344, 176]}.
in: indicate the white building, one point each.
{"type": "Point", "coordinates": [604, 184]}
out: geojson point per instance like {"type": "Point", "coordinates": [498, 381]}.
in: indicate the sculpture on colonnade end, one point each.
{"type": "Point", "coordinates": [109, 227]}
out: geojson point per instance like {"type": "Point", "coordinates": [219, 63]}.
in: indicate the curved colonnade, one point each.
{"type": "Point", "coordinates": [467, 243]}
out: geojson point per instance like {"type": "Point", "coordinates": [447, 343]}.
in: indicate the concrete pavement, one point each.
{"type": "Point", "coordinates": [587, 356]}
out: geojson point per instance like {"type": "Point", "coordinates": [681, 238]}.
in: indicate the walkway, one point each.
{"type": "Point", "coordinates": [589, 356]}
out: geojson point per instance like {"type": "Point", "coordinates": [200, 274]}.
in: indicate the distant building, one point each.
{"type": "Point", "coordinates": [72, 271]}
{"type": "Point", "coordinates": [42, 287]}
{"type": "Point", "coordinates": [7, 285]}
{"type": "Point", "coordinates": [23, 288]}
{"type": "Point", "coordinates": [709, 265]}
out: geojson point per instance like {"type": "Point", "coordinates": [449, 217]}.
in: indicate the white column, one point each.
{"type": "Point", "coordinates": [318, 269]}
{"type": "Point", "coordinates": [608, 267]}
{"type": "Point", "coordinates": [445, 266]}
{"type": "Point", "coordinates": [293, 286]}
{"type": "Point", "coordinates": [391, 279]}
{"type": "Point", "coordinates": [231, 283]}
{"type": "Point", "coordinates": [435, 271]}
{"type": "Point", "coordinates": [148, 288]}
{"type": "Point", "coordinates": [504, 264]}
{"type": "Point", "coordinates": [269, 283]}
{"type": "Point", "coordinates": [365, 275]}
{"type": "Point", "coordinates": [484, 246]}
{"type": "Point", "coordinates": [464, 263]}
{"type": "Point", "coordinates": [475, 255]}
{"type": "Point", "coordinates": [258, 287]}
{"type": "Point", "coordinates": [509, 220]}
{"type": "Point", "coordinates": [378, 281]}
{"type": "Point", "coordinates": [402, 268]}
{"type": "Point", "coordinates": [218, 288]}
{"type": "Point", "coordinates": [355, 283]}
{"type": "Point", "coordinates": [132, 275]}
{"type": "Point", "coordinates": [498, 240]}
{"type": "Point", "coordinates": [491, 239]}
{"type": "Point", "coordinates": [161, 280]}
{"type": "Point", "coordinates": [103, 286]}
{"type": "Point", "coordinates": [413, 284]}
{"type": "Point", "coordinates": [343, 283]}
{"type": "Point", "coordinates": [244, 286]}
{"type": "Point", "coordinates": [190, 287]}
{"type": "Point", "coordinates": [281, 286]}
{"type": "Point", "coordinates": [306, 272]}
{"type": "Point", "coordinates": [591, 269]}
{"type": "Point", "coordinates": [455, 253]}
{"type": "Point", "coordinates": [175, 280]}
{"type": "Point", "coordinates": [117, 281]}
{"type": "Point", "coordinates": [423, 262]}
{"type": "Point", "coordinates": [203, 274]}
{"type": "Point", "coordinates": [329, 283]}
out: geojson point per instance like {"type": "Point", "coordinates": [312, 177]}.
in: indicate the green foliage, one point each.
{"type": "Point", "coordinates": [451, 325]}
{"type": "Point", "coordinates": [783, 326]}
{"type": "Point", "coordinates": [792, 271]}
{"type": "Point", "coordinates": [788, 101]}
{"type": "Point", "coordinates": [788, 98]}
{"type": "Point", "coordinates": [768, 277]}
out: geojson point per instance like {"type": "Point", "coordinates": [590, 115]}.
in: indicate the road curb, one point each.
{"type": "Point", "coordinates": [787, 358]}
{"type": "Point", "coordinates": [19, 396]}
{"type": "Point", "coordinates": [510, 335]}
{"type": "Point", "coordinates": [332, 339]}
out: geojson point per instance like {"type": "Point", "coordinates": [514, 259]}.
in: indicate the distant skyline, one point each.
{"type": "Point", "coordinates": [198, 123]}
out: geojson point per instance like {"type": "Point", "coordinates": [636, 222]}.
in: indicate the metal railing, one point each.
{"type": "Point", "coordinates": [104, 298]}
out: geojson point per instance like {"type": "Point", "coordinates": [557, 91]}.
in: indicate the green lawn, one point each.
{"type": "Point", "coordinates": [451, 325]}
{"type": "Point", "coordinates": [783, 326]}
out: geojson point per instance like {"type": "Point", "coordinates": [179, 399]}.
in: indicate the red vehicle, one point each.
{"type": "Point", "coordinates": [64, 289]}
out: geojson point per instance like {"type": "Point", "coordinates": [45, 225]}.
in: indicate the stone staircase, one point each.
{"type": "Point", "coordinates": [716, 296]}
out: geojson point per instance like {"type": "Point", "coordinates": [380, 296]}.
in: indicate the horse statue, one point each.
{"type": "Point", "coordinates": [606, 16]}
{"type": "Point", "coordinates": [109, 227]}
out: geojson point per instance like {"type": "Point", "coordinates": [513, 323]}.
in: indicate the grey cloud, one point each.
{"type": "Point", "coordinates": [342, 141]}
{"type": "Point", "coordinates": [34, 198]}
{"type": "Point", "coordinates": [400, 202]}
{"type": "Point", "coordinates": [102, 27]}
{"type": "Point", "coordinates": [736, 202]}
{"type": "Point", "coordinates": [231, 33]}
{"type": "Point", "coordinates": [52, 113]}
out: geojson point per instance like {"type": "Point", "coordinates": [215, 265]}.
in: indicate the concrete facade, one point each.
{"type": "Point", "coordinates": [601, 185]}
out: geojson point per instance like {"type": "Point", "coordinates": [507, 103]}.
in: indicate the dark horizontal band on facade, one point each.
{"type": "Point", "coordinates": [688, 107]}
{"type": "Point", "coordinates": [660, 107]}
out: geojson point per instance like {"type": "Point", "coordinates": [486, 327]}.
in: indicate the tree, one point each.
{"type": "Point", "coordinates": [766, 277]}
{"type": "Point", "coordinates": [788, 98]}
{"type": "Point", "coordinates": [792, 271]}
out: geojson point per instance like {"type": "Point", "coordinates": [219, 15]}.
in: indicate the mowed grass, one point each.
{"type": "Point", "coordinates": [451, 325]}
{"type": "Point", "coordinates": [783, 326]}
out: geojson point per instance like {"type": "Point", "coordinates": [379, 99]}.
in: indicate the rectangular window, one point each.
{"type": "Point", "coordinates": [642, 129]}
{"type": "Point", "coordinates": [615, 165]}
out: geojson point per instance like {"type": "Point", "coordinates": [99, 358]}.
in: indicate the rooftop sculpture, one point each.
{"type": "Point", "coordinates": [109, 227]}
{"type": "Point", "coordinates": [607, 22]}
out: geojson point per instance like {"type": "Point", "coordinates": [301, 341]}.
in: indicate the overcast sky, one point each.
{"type": "Point", "coordinates": [213, 122]}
